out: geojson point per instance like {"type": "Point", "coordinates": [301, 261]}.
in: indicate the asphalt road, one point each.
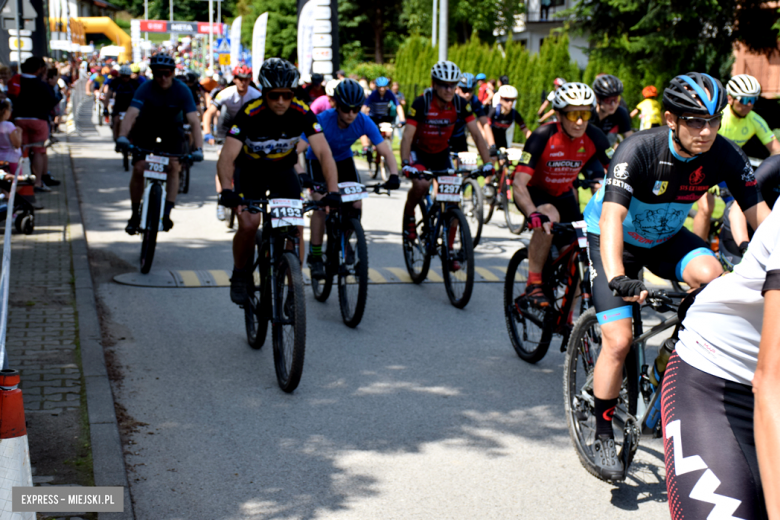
{"type": "Point", "coordinates": [424, 411]}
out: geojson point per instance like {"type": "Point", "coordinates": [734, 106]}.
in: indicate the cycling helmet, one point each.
{"type": "Point", "coordinates": [135, 68]}
{"type": "Point", "coordinates": [330, 86]}
{"type": "Point", "coordinates": [695, 93]}
{"type": "Point", "coordinates": [480, 76]}
{"type": "Point", "coordinates": [278, 73]}
{"type": "Point", "coordinates": [114, 73]}
{"type": "Point", "coordinates": [191, 76]}
{"type": "Point", "coordinates": [743, 85]}
{"type": "Point", "coordinates": [607, 86]}
{"type": "Point", "coordinates": [162, 61]}
{"type": "Point", "coordinates": [446, 71]}
{"type": "Point", "coordinates": [649, 91]}
{"type": "Point", "coordinates": [559, 82]}
{"type": "Point", "coordinates": [317, 79]}
{"type": "Point", "coordinates": [467, 81]}
{"type": "Point", "coordinates": [578, 94]}
{"type": "Point", "coordinates": [125, 70]}
{"type": "Point", "coordinates": [243, 72]}
{"type": "Point", "coordinates": [507, 92]}
{"type": "Point", "coordinates": [349, 93]}
{"type": "Point", "coordinates": [381, 81]}
{"type": "Point", "coordinates": [105, 70]}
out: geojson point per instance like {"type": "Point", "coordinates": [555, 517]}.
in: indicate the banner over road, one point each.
{"type": "Point", "coordinates": [164, 26]}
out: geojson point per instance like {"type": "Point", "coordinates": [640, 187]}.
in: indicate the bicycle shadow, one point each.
{"type": "Point", "coordinates": [648, 478]}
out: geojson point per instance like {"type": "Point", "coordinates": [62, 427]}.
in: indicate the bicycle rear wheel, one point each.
{"type": "Point", "coordinates": [353, 274]}
{"type": "Point", "coordinates": [472, 208]}
{"type": "Point", "coordinates": [256, 314]}
{"type": "Point", "coordinates": [184, 183]}
{"type": "Point", "coordinates": [515, 220]}
{"type": "Point", "coordinates": [149, 241]}
{"type": "Point", "coordinates": [457, 261]}
{"type": "Point", "coordinates": [529, 327]}
{"type": "Point", "coordinates": [416, 256]}
{"type": "Point", "coordinates": [289, 331]}
{"type": "Point", "coordinates": [582, 353]}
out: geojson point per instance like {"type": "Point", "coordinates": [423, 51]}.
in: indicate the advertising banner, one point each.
{"type": "Point", "coordinates": [235, 41]}
{"type": "Point", "coordinates": [318, 37]}
{"type": "Point", "coordinates": [258, 42]}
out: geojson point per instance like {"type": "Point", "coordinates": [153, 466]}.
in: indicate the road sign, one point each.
{"type": "Point", "coordinates": [223, 48]}
{"type": "Point", "coordinates": [23, 43]}
{"type": "Point", "coordinates": [224, 59]}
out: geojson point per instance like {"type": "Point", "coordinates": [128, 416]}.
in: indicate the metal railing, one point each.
{"type": "Point", "coordinates": [5, 274]}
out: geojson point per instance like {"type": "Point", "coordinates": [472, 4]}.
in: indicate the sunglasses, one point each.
{"type": "Point", "coordinates": [446, 86]}
{"type": "Point", "coordinates": [466, 90]}
{"type": "Point", "coordinates": [275, 96]}
{"type": "Point", "coordinates": [697, 123]}
{"type": "Point", "coordinates": [508, 100]}
{"type": "Point", "coordinates": [748, 100]}
{"type": "Point", "coordinates": [347, 109]}
{"type": "Point", "coordinates": [576, 115]}
{"type": "Point", "coordinates": [610, 100]}
{"type": "Point", "coordinates": [165, 73]}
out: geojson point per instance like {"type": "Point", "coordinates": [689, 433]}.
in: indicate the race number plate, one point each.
{"type": "Point", "coordinates": [352, 191]}
{"type": "Point", "coordinates": [468, 158]}
{"type": "Point", "coordinates": [449, 189]}
{"type": "Point", "coordinates": [582, 233]}
{"type": "Point", "coordinates": [514, 154]}
{"type": "Point", "coordinates": [156, 167]}
{"type": "Point", "coordinates": [386, 128]}
{"type": "Point", "coordinates": [286, 212]}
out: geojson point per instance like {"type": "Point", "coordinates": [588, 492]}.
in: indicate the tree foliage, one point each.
{"type": "Point", "coordinates": [282, 33]}
{"type": "Point", "coordinates": [374, 24]}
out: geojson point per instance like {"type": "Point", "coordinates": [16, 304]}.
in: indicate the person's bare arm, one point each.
{"type": "Point", "coordinates": [194, 122]}
{"type": "Point", "coordinates": [766, 418]}
{"type": "Point", "coordinates": [129, 121]}
{"type": "Point", "coordinates": [521, 195]}
{"type": "Point", "coordinates": [738, 224]}
{"type": "Point", "coordinates": [611, 224]}
{"type": "Point", "coordinates": [546, 116]}
{"type": "Point", "coordinates": [487, 131]}
{"type": "Point", "coordinates": [401, 114]}
{"type": "Point", "coordinates": [208, 117]}
{"type": "Point", "coordinates": [16, 137]}
{"type": "Point", "coordinates": [227, 160]}
{"type": "Point", "coordinates": [301, 147]}
{"type": "Point", "coordinates": [626, 135]}
{"type": "Point", "coordinates": [757, 214]}
{"type": "Point", "coordinates": [322, 151]}
{"type": "Point", "coordinates": [543, 107]}
{"type": "Point", "coordinates": [633, 113]}
{"type": "Point", "coordinates": [385, 151]}
{"type": "Point", "coordinates": [406, 142]}
{"type": "Point", "coordinates": [479, 140]}
{"type": "Point", "coordinates": [773, 146]}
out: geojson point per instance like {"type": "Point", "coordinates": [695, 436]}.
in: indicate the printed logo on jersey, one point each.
{"type": "Point", "coordinates": [660, 188]}
{"type": "Point", "coordinates": [697, 176]}
{"type": "Point", "coordinates": [525, 158]}
{"type": "Point", "coordinates": [656, 222]}
{"type": "Point", "coordinates": [621, 171]}
{"type": "Point", "coordinates": [581, 150]}
{"type": "Point", "coordinates": [557, 154]}
{"type": "Point", "coordinates": [620, 184]}
{"type": "Point", "coordinates": [564, 164]}
{"type": "Point", "coordinates": [468, 107]}
{"type": "Point", "coordinates": [234, 130]}
{"type": "Point", "coordinates": [273, 148]}
{"type": "Point", "coordinates": [748, 176]}
{"type": "Point", "coordinates": [317, 127]}
{"type": "Point", "coordinates": [412, 112]}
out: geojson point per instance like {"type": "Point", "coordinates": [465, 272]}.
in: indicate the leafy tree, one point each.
{"type": "Point", "coordinates": [282, 39]}
{"type": "Point", "coordinates": [371, 21]}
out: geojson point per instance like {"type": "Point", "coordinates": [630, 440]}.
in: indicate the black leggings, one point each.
{"type": "Point", "coordinates": [708, 446]}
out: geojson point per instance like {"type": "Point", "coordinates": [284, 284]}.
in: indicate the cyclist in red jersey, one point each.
{"type": "Point", "coordinates": [552, 158]}
{"type": "Point", "coordinates": [425, 144]}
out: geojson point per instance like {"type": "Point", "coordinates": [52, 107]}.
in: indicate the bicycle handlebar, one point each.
{"type": "Point", "coordinates": [133, 148]}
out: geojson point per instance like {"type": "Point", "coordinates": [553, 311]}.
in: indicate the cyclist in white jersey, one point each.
{"type": "Point", "coordinates": [720, 388]}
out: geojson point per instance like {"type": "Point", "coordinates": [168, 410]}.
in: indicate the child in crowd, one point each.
{"type": "Point", "coordinates": [650, 109]}
{"type": "Point", "coordinates": [10, 137]}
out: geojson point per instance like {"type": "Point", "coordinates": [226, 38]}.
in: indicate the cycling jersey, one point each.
{"type": "Point", "coordinates": [650, 113]}
{"type": "Point", "coordinates": [161, 114]}
{"type": "Point", "coordinates": [341, 140]}
{"type": "Point", "coordinates": [123, 94]}
{"type": "Point", "coordinates": [554, 159]}
{"type": "Point", "coordinates": [500, 123]}
{"type": "Point", "coordinates": [435, 120]}
{"type": "Point", "coordinates": [479, 111]}
{"type": "Point", "coordinates": [659, 187]}
{"type": "Point", "coordinates": [233, 101]}
{"type": "Point", "coordinates": [617, 123]}
{"type": "Point", "coordinates": [269, 139]}
{"type": "Point", "coordinates": [741, 129]}
{"type": "Point", "coordinates": [768, 179]}
{"type": "Point", "coordinates": [380, 106]}
{"type": "Point", "coordinates": [97, 81]}
{"type": "Point", "coordinates": [320, 105]}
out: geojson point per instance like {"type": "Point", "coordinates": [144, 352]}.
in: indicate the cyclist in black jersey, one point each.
{"type": "Point", "coordinates": [121, 90]}
{"type": "Point", "coordinates": [609, 115]}
{"type": "Point", "coordinates": [503, 115]}
{"type": "Point", "coordinates": [636, 220]}
{"type": "Point", "coordinates": [260, 146]}
{"type": "Point", "coordinates": [458, 142]}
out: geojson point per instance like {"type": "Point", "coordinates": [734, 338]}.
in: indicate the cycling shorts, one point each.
{"type": "Point", "coordinates": [431, 161]}
{"type": "Point", "coordinates": [667, 261]}
{"type": "Point", "coordinates": [383, 119]}
{"type": "Point", "coordinates": [253, 185]}
{"type": "Point", "coordinates": [168, 145]}
{"type": "Point", "coordinates": [709, 447]}
{"type": "Point", "coordinates": [346, 169]}
{"type": "Point", "coordinates": [459, 143]}
{"type": "Point", "coordinates": [567, 204]}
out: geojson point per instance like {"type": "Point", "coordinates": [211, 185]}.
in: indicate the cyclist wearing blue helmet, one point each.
{"type": "Point", "coordinates": [381, 105]}
{"type": "Point", "coordinates": [458, 141]}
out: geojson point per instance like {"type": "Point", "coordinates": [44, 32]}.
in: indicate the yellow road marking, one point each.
{"type": "Point", "coordinates": [375, 277]}
{"type": "Point", "coordinates": [500, 268]}
{"type": "Point", "coordinates": [434, 276]}
{"type": "Point", "coordinates": [221, 277]}
{"type": "Point", "coordinates": [399, 273]}
{"type": "Point", "coordinates": [487, 275]}
{"type": "Point", "coordinates": [189, 278]}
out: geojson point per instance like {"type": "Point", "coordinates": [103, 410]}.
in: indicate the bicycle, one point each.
{"type": "Point", "coordinates": [184, 171]}
{"type": "Point", "coordinates": [380, 168]}
{"type": "Point", "coordinates": [472, 203]}
{"type": "Point", "coordinates": [125, 153]}
{"type": "Point", "coordinates": [276, 294]}
{"type": "Point", "coordinates": [498, 192]}
{"type": "Point", "coordinates": [442, 229]}
{"type": "Point", "coordinates": [638, 410]}
{"type": "Point", "coordinates": [156, 173]}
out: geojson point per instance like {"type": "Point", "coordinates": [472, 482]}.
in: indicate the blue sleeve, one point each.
{"type": "Point", "coordinates": [371, 130]}
{"type": "Point", "coordinates": [139, 97]}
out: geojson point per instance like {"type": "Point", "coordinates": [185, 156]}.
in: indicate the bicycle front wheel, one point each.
{"type": "Point", "coordinates": [528, 326]}
{"type": "Point", "coordinates": [353, 274]}
{"type": "Point", "coordinates": [125, 161]}
{"type": "Point", "coordinates": [256, 310]}
{"type": "Point", "coordinates": [457, 261]}
{"type": "Point", "coordinates": [582, 353]}
{"type": "Point", "coordinates": [491, 199]}
{"type": "Point", "coordinates": [322, 288]}
{"type": "Point", "coordinates": [515, 220]}
{"type": "Point", "coordinates": [185, 177]}
{"type": "Point", "coordinates": [289, 327]}
{"type": "Point", "coordinates": [416, 255]}
{"type": "Point", "coordinates": [472, 208]}
{"type": "Point", "coordinates": [149, 242]}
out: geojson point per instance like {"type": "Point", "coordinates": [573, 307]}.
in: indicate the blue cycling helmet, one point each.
{"type": "Point", "coordinates": [695, 93]}
{"type": "Point", "coordinates": [382, 81]}
{"type": "Point", "coordinates": [480, 76]}
{"type": "Point", "coordinates": [467, 81]}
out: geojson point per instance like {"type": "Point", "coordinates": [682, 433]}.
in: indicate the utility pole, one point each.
{"type": "Point", "coordinates": [19, 27]}
{"type": "Point", "coordinates": [146, 16]}
{"type": "Point", "coordinates": [443, 26]}
{"type": "Point", "coordinates": [211, 36]}
{"type": "Point", "coordinates": [434, 23]}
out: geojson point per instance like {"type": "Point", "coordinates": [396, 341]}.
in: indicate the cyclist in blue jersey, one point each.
{"type": "Point", "coordinates": [382, 106]}
{"type": "Point", "coordinates": [458, 141]}
{"type": "Point", "coordinates": [342, 126]}
{"type": "Point", "coordinates": [636, 220]}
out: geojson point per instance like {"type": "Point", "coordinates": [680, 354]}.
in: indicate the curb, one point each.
{"type": "Point", "coordinates": [107, 452]}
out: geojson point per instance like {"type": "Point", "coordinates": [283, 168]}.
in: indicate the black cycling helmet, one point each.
{"type": "Point", "coordinates": [349, 93]}
{"type": "Point", "coordinates": [162, 61]}
{"type": "Point", "coordinates": [607, 86]}
{"type": "Point", "coordinates": [317, 78]}
{"type": "Point", "coordinates": [278, 73]}
{"type": "Point", "coordinates": [191, 76]}
{"type": "Point", "coordinates": [695, 93]}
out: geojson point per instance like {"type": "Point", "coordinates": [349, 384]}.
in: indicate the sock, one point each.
{"type": "Point", "coordinates": [534, 278]}
{"type": "Point", "coordinates": [136, 208]}
{"type": "Point", "coordinates": [604, 410]}
{"type": "Point", "coordinates": [168, 207]}
{"type": "Point", "coordinates": [315, 251]}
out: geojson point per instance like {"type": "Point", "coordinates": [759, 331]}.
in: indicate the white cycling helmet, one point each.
{"type": "Point", "coordinates": [330, 86]}
{"type": "Point", "coordinates": [574, 93]}
{"type": "Point", "coordinates": [507, 92]}
{"type": "Point", "coordinates": [743, 85]}
{"type": "Point", "coordinates": [446, 71]}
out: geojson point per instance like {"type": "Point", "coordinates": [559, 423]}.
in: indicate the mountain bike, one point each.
{"type": "Point", "coordinates": [638, 410]}
{"type": "Point", "coordinates": [498, 192]}
{"type": "Point", "coordinates": [443, 230]}
{"type": "Point", "coordinates": [472, 203]}
{"type": "Point", "coordinates": [186, 163]}
{"type": "Point", "coordinates": [156, 169]}
{"type": "Point", "coordinates": [125, 152]}
{"type": "Point", "coordinates": [345, 253]}
{"type": "Point", "coordinates": [376, 165]}
{"type": "Point", "coordinates": [276, 294]}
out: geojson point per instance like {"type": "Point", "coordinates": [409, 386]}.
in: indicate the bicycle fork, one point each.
{"type": "Point", "coordinates": [145, 204]}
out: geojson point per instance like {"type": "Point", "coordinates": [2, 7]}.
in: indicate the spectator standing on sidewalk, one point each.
{"type": "Point", "coordinates": [10, 137]}
{"type": "Point", "coordinates": [31, 113]}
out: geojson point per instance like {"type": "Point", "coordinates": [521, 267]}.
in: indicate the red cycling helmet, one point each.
{"type": "Point", "coordinates": [242, 71]}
